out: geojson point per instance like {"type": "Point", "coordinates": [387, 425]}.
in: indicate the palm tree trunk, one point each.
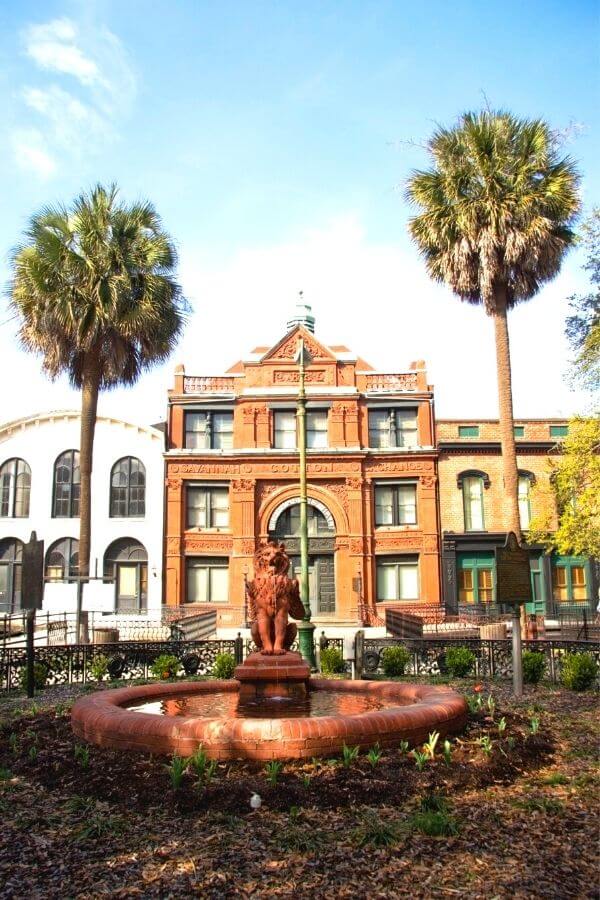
{"type": "Point", "coordinates": [89, 405]}
{"type": "Point", "coordinates": [507, 425]}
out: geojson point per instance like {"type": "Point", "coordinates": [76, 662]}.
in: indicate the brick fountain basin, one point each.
{"type": "Point", "coordinates": [408, 712]}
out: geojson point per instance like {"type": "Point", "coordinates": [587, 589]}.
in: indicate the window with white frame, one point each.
{"type": "Point", "coordinates": [472, 488]}
{"type": "Point", "coordinates": [210, 430]}
{"type": "Point", "coordinates": [316, 428]}
{"type": "Point", "coordinates": [395, 427]}
{"type": "Point", "coordinates": [525, 499]}
{"type": "Point", "coordinates": [284, 429]}
{"type": "Point", "coordinates": [207, 506]}
{"type": "Point", "coordinates": [395, 504]}
{"type": "Point", "coordinates": [397, 578]}
{"type": "Point", "coordinates": [207, 579]}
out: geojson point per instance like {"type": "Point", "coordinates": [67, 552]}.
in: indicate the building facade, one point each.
{"type": "Point", "coordinates": [232, 471]}
{"type": "Point", "coordinates": [39, 490]}
{"type": "Point", "coordinates": [473, 521]}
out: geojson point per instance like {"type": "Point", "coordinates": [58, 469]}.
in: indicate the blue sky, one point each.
{"type": "Point", "coordinates": [274, 139]}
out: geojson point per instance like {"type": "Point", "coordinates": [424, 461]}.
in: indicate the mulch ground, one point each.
{"type": "Point", "coordinates": [521, 818]}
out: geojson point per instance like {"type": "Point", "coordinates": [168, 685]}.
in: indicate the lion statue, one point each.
{"type": "Point", "coordinates": [272, 596]}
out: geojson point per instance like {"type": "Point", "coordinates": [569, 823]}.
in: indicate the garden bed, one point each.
{"type": "Point", "coordinates": [516, 814]}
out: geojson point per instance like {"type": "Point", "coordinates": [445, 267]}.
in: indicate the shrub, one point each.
{"type": "Point", "coordinates": [460, 661]}
{"type": "Point", "coordinates": [533, 666]}
{"type": "Point", "coordinates": [40, 674]}
{"type": "Point", "coordinates": [99, 667]}
{"type": "Point", "coordinates": [332, 661]}
{"type": "Point", "coordinates": [394, 661]}
{"type": "Point", "coordinates": [165, 666]}
{"type": "Point", "coordinates": [224, 665]}
{"type": "Point", "coordinates": [579, 671]}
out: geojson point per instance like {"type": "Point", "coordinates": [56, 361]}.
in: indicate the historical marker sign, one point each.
{"type": "Point", "coordinates": [33, 574]}
{"type": "Point", "coordinates": [513, 572]}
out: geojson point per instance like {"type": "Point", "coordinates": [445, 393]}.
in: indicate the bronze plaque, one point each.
{"type": "Point", "coordinates": [513, 572]}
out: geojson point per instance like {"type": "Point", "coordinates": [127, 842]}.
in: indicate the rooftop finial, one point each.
{"type": "Point", "coordinates": [302, 316]}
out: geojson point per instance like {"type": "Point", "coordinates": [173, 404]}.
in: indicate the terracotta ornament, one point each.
{"type": "Point", "coordinates": [272, 597]}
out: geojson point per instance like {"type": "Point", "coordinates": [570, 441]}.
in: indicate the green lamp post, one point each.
{"type": "Point", "coordinates": [306, 628]}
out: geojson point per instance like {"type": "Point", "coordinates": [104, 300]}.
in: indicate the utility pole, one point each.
{"type": "Point", "coordinates": [305, 628]}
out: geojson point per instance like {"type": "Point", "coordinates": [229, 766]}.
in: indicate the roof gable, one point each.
{"type": "Point", "coordinates": [287, 347]}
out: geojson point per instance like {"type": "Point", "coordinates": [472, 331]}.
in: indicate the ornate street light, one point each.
{"type": "Point", "coordinates": [305, 628]}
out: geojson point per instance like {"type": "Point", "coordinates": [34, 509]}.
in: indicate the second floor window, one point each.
{"type": "Point", "coordinates": [395, 504]}
{"type": "Point", "coordinates": [209, 430]}
{"type": "Point", "coordinates": [472, 488]}
{"type": "Point", "coordinates": [207, 507]}
{"type": "Point", "coordinates": [397, 578]}
{"type": "Point", "coordinates": [524, 500]}
{"type": "Point", "coordinates": [393, 428]}
{"type": "Point", "coordinates": [15, 488]}
{"type": "Point", "coordinates": [128, 488]}
{"type": "Point", "coordinates": [65, 504]}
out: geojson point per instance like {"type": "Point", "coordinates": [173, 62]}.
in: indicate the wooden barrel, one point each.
{"type": "Point", "coordinates": [494, 632]}
{"type": "Point", "coordinates": [105, 635]}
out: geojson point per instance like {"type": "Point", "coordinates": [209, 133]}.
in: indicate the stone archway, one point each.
{"type": "Point", "coordinates": [284, 524]}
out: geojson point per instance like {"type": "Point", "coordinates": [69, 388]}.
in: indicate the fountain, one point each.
{"type": "Point", "coordinates": [273, 709]}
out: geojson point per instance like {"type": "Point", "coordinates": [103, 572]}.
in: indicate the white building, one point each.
{"type": "Point", "coordinates": [39, 490]}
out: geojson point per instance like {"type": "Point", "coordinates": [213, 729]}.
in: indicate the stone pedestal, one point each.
{"type": "Point", "coordinates": [273, 676]}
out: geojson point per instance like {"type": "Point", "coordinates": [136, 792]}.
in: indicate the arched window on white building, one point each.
{"type": "Point", "coordinates": [128, 488]}
{"type": "Point", "coordinates": [126, 563]}
{"type": "Point", "coordinates": [15, 488]}
{"type": "Point", "coordinates": [11, 564]}
{"type": "Point", "coordinates": [65, 495]}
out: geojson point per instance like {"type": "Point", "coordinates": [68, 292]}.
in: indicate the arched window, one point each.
{"type": "Point", "coordinates": [288, 524]}
{"type": "Point", "coordinates": [65, 501]}
{"type": "Point", "coordinates": [126, 563]}
{"type": "Point", "coordinates": [62, 560]}
{"type": "Point", "coordinates": [15, 487]}
{"type": "Point", "coordinates": [127, 488]}
{"type": "Point", "coordinates": [11, 564]}
{"type": "Point", "coordinates": [526, 479]}
{"type": "Point", "coordinates": [472, 482]}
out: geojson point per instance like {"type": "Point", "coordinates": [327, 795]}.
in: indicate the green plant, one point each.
{"type": "Point", "coordinates": [198, 762]}
{"type": "Point", "coordinates": [486, 744]}
{"type": "Point", "coordinates": [433, 803]}
{"type": "Point", "coordinates": [403, 747]}
{"type": "Point", "coordinates": [13, 742]}
{"type": "Point", "coordinates": [99, 667]}
{"type": "Point", "coordinates": [430, 746]}
{"type": "Point", "coordinates": [5, 774]}
{"type": "Point", "coordinates": [420, 759]}
{"type": "Point", "coordinates": [273, 769]}
{"type": "Point", "coordinates": [474, 702]}
{"type": "Point", "coordinates": [40, 674]}
{"type": "Point", "coordinates": [460, 661]}
{"type": "Point", "coordinates": [501, 726]}
{"type": "Point", "coordinates": [224, 666]}
{"type": "Point", "coordinates": [349, 754]}
{"type": "Point", "coordinates": [374, 755]}
{"type": "Point", "coordinates": [210, 771]}
{"type": "Point", "coordinates": [332, 661]}
{"type": "Point", "coordinates": [165, 666]}
{"type": "Point", "coordinates": [99, 826]}
{"type": "Point", "coordinates": [82, 755]}
{"type": "Point", "coordinates": [433, 823]}
{"type": "Point", "coordinates": [491, 705]}
{"type": "Point", "coordinates": [376, 832]}
{"type": "Point", "coordinates": [33, 752]}
{"type": "Point", "coordinates": [534, 725]}
{"type": "Point", "coordinates": [447, 752]}
{"type": "Point", "coordinates": [533, 666]}
{"type": "Point", "coordinates": [556, 778]}
{"type": "Point", "coordinates": [510, 740]}
{"type": "Point", "coordinates": [176, 770]}
{"type": "Point", "coordinates": [394, 661]}
{"type": "Point", "coordinates": [306, 780]}
{"type": "Point", "coordinates": [298, 839]}
{"type": "Point", "coordinates": [579, 671]}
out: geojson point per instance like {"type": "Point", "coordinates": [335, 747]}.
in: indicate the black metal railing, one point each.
{"type": "Point", "coordinates": [493, 659]}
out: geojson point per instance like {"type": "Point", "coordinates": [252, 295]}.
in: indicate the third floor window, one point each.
{"type": "Point", "coordinates": [128, 488]}
{"type": "Point", "coordinates": [285, 433]}
{"type": "Point", "coordinates": [393, 428]}
{"type": "Point", "coordinates": [65, 501]}
{"type": "Point", "coordinates": [15, 487]}
{"type": "Point", "coordinates": [472, 488]}
{"type": "Point", "coordinates": [209, 430]}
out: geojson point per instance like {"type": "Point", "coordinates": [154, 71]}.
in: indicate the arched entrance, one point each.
{"type": "Point", "coordinates": [285, 526]}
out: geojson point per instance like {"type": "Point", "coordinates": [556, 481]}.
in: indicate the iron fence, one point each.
{"type": "Point", "coordinates": [493, 659]}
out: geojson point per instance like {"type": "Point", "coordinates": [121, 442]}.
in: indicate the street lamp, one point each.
{"type": "Point", "coordinates": [305, 628]}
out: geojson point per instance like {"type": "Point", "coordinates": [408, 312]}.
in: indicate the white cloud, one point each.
{"type": "Point", "coordinates": [30, 155]}
{"type": "Point", "coordinates": [375, 298]}
{"type": "Point", "coordinates": [82, 116]}
{"type": "Point", "coordinates": [53, 46]}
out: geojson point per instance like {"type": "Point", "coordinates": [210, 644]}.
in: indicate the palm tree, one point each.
{"type": "Point", "coordinates": [496, 211]}
{"type": "Point", "coordinates": [94, 290]}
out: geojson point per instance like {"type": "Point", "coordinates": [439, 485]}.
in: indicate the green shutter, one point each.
{"type": "Point", "coordinates": [468, 431]}
{"type": "Point", "coordinates": [557, 431]}
{"type": "Point", "coordinates": [519, 431]}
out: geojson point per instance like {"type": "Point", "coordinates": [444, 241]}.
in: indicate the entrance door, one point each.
{"type": "Point", "coordinates": [537, 606]}
{"type": "Point", "coordinates": [321, 583]}
{"type": "Point", "coordinates": [5, 588]}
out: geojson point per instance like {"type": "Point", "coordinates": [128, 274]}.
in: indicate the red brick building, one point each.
{"type": "Point", "coordinates": [232, 480]}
